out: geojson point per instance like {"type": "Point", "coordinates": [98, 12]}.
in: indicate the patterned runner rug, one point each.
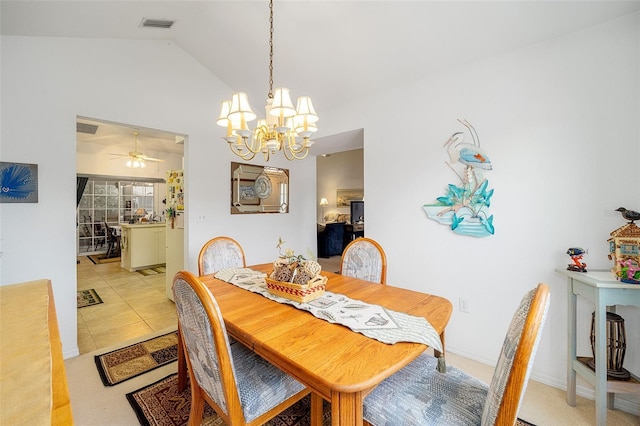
{"type": "Point", "coordinates": [98, 259]}
{"type": "Point", "coordinates": [131, 361]}
{"type": "Point", "coordinates": [160, 403]}
{"type": "Point", "coordinates": [153, 271]}
{"type": "Point", "coordinates": [88, 298]}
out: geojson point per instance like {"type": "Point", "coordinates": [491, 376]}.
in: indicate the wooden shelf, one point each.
{"type": "Point", "coordinates": [630, 385]}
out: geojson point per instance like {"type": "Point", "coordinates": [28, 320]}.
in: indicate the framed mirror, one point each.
{"type": "Point", "coordinates": [259, 189]}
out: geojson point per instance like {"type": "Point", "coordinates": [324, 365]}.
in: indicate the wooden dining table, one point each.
{"type": "Point", "coordinates": [336, 363]}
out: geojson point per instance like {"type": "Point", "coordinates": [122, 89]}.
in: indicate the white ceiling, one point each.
{"type": "Point", "coordinates": [333, 51]}
{"type": "Point", "coordinates": [122, 136]}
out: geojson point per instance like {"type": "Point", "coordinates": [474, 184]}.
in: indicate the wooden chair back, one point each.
{"type": "Point", "coordinates": [215, 369]}
{"type": "Point", "coordinates": [365, 259]}
{"type": "Point", "coordinates": [198, 312]}
{"type": "Point", "coordinates": [512, 373]}
{"type": "Point", "coordinates": [219, 253]}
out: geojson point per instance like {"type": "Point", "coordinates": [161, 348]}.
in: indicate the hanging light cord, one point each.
{"type": "Point", "coordinates": [270, 95]}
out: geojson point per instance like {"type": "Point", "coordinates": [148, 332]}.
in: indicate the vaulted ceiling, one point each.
{"type": "Point", "coordinates": [333, 51]}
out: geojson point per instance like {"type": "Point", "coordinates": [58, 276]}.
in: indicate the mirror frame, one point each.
{"type": "Point", "coordinates": [259, 189]}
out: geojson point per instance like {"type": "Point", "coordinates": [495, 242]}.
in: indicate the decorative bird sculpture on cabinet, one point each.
{"type": "Point", "coordinates": [466, 153]}
{"type": "Point", "coordinates": [630, 215]}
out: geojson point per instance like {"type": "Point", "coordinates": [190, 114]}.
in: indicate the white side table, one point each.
{"type": "Point", "coordinates": [604, 291]}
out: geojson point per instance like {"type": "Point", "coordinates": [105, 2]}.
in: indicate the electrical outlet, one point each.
{"type": "Point", "coordinates": [463, 305]}
{"type": "Point", "coordinates": [200, 219]}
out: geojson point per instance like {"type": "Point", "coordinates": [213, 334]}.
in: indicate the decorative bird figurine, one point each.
{"type": "Point", "coordinates": [630, 215]}
{"type": "Point", "coordinates": [576, 254]}
{"type": "Point", "coordinates": [467, 154]}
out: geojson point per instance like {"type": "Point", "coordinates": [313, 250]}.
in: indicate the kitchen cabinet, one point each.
{"type": "Point", "coordinates": [143, 245]}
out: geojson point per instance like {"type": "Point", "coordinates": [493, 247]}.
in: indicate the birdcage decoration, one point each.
{"type": "Point", "coordinates": [616, 340]}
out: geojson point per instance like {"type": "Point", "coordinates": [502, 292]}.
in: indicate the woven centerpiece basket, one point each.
{"type": "Point", "coordinates": [298, 292]}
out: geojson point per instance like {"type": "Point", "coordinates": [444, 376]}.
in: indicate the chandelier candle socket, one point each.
{"type": "Point", "coordinates": [285, 128]}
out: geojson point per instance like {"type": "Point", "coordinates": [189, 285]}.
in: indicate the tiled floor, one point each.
{"type": "Point", "coordinates": [134, 305]}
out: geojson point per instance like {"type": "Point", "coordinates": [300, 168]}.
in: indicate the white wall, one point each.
{"type": "Point", "coordinates": [559, 121]}
{"type": "Point", "coordinates": [47, 82]}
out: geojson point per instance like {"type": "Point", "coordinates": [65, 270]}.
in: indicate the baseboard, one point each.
{"type": "Point", "coordinates": [620, 402]}
{"type": "Point", "coordinates": [71, 354]}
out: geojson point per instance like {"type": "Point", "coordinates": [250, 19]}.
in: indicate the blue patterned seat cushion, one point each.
{"type": "Point", "coordinates": [420, 395]}
{"type": "Point", "coordinates": [261, 386]}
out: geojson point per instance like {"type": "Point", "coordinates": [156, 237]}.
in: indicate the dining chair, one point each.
{"type": "Point", "coordinates": [219, 253]}
{"type": "Point", "coordinates": [364, 258]}
{"type": "Point", "coordinates": [420, 395]}
{"type": "Point", "coordinates": [113, 241]}
{"type": "Point", "coordinates": [216, 254]}
{"type": "Point", "coordinates": [242, 387]}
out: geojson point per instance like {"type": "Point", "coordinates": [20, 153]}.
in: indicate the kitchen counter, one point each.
{"type": "Point", "coordinates": [143, 245]}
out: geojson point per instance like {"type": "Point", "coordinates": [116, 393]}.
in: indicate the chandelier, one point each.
{"type": "Point", "coordinates": [285, 128]}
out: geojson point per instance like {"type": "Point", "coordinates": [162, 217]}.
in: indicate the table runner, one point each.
{"type": "Point", "coordinates": [373, 321]}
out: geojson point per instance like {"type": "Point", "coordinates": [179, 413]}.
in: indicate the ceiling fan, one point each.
{"type": "Point", "coordinates": [136, 158]}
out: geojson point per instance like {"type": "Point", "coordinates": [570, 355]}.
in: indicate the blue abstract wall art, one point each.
{"type": "Point", "coordinates": [18, 183]}
{"type": "Point", "coordinates": [464, 207]}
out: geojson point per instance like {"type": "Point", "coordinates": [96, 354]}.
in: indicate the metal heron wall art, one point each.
{"type": "Point", "coordinates": [464, 206]}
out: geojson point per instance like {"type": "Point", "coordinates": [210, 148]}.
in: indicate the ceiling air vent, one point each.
{"type": "Point", "coordinates": [90, 129]}
{"type": "Point", "coordinates": [156, 23]}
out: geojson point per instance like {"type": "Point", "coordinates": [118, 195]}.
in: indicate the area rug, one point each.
{"type": "Point", "coordinates": [88, 298]}
{"type": "Point", "coordinates": [98, 259]}
{"type": "Point", "coordinates": [131, 361]}
{"type": "Point", "coordinates": [161, 403]}
{"type": "Point", "coordinates": [153, 271]}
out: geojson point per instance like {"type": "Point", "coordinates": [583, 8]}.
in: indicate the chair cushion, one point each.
{"type": "Point", "coordinates": [420, 395]}
{"type": "Point", "coordinates": [261, 385]}
{"type": "Point", "coordinates": [330, 217]}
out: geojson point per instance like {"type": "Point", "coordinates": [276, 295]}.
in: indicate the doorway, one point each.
{"type": "Point", "coordinates": [133, 304]}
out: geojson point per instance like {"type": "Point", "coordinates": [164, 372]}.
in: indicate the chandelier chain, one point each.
{"type": "Point", "coordinates": [270, 94]}
{"type": "Point", "coordinates": [286, 128]}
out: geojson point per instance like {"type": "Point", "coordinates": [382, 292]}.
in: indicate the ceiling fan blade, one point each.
{"type": "Point", "coordinates": [118, 155]}
{"type": "Point", "coordinates": [145, 158]}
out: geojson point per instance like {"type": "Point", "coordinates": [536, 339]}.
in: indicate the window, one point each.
{"type": "Point", "coordinates": [110, 201]}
